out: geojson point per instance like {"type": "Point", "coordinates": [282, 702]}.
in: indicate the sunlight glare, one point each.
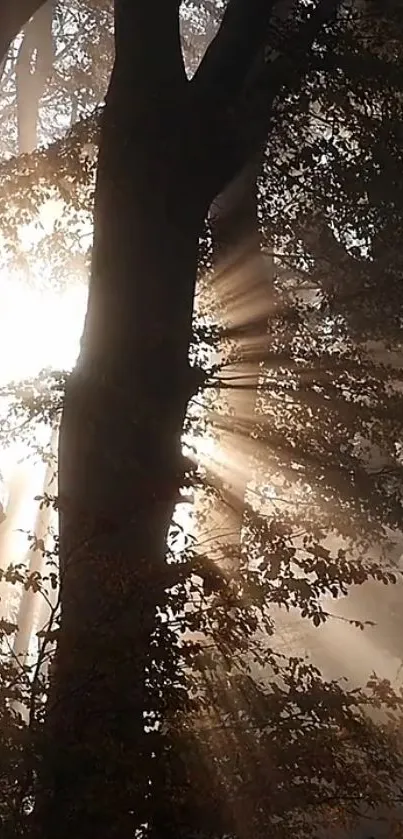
{"type": "Point", "coordinates": [38, 328]}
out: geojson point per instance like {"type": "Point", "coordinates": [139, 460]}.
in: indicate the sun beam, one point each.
{"type": "Point", "coordinates": [40, 327]}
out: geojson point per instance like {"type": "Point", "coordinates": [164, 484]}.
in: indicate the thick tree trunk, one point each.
{"type": "Point", "coordinates": [120, 472]}
{"type": "Point", "coordinates": [120, 464]}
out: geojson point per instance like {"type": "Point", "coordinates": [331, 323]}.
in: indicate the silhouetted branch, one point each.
{"type": "Point", "coordinates": [232, 52]}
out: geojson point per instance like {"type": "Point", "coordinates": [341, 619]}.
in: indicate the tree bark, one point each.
{"type": "Point", "coordinates": [120, 463]}
{"type": "Point", "coordinates": [120, 471]}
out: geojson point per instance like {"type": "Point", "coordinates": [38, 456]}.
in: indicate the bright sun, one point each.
{"type": "Point", "coordinates": [38, 328]}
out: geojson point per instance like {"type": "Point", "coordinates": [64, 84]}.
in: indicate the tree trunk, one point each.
{"type": "Point", "coordinates": [33, 67]}
{"type": "Point", "coordinates": [30, 603]}
{"type": "Point", "coordinates": [8, 528]}
{"type": "Point", "coordinates": [120, 463]}
{"type": "Point", "coordinates": [120, 471]}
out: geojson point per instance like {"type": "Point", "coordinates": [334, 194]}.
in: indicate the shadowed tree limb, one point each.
{"type": "Point", "coordinates": [244, 32]}
{"type": "Point", "coordinates": [249, 122]}
{"type": "Point", "coordinates": [231, 54]}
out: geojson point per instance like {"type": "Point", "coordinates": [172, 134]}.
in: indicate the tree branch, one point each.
{"type": "Point", "coordinates": [239, 96]}
{"type": "Point", "coordinates": [150, 34]}
{"type": "Point", "coordinates": [13, 17]}
{"type": "Point", "coordinates": [231, 54]}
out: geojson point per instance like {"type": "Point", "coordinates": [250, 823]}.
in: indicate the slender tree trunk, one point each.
{"type": "Point", "coordinates": [8, 530]}
{"type": "Point", "coordinates": [30, 604]}
{"type": "Point", "coordinates": [33, 67]}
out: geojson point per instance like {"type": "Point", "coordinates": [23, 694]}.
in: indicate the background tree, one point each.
{"type": "Point", "coordinates": [68, 82]}
{"type": "Point", "coordinates": [33, 66]}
